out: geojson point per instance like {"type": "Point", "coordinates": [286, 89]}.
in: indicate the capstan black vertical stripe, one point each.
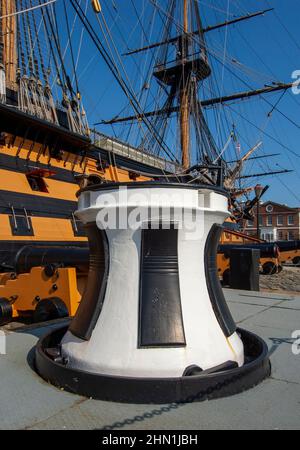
{"type": "Point", "coordinates": [215, 291]}
{"type": "Point", "coordinates": [160, 315]}
{"type": "Point", "coordinates": [91, 304]}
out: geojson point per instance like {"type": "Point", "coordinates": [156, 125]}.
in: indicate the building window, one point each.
{"type": "Point", "coordinates": [290, 236]}
{"type": "Point", "coordinates": [280, 235]}
{"type": "Point", "coordinates": [250, 223]}
{"type": "Point", "coordinates": [290, 220]}
{"type": "Point", "coordinates": [260, 221]}
{"type": "Point", "coordinates": [280, 220]}
{"type": "Point", "coordinates": [269, 221]}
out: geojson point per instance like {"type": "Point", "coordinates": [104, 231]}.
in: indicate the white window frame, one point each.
{"type": "Point", "coordinates": [282, 220]}
{"type": "Point", "coordinates": [291, 222]}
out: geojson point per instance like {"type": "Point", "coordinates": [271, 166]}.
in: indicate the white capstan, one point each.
{"type": "Point", "coordinates": [159, 309]}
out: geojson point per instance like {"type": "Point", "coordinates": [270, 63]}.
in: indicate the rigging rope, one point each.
{"type": "Point", "coordinates": [265, 133]}
{"type": "Point", "coordinates": [80, 43]}
{"type": "Point", "coordinates": [71, 47]}
{"type": "Point", "coordinates": [41, 59]}
{"type": "Point", "coordinates": [48, 34]}
{"type": "Point", "coordinates": [223, 68]}
{"type": "Point", "coordinates": [127, 91]}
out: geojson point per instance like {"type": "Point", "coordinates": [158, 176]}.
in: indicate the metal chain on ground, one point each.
{"type": "Point", "coordinates": [172, 406]}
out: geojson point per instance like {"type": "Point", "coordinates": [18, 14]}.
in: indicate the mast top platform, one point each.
{"type": "Point", "coordinates": [177, 71]}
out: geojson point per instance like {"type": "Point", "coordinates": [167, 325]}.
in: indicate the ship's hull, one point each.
{"type": "Point", "coordinates": [39, 168]}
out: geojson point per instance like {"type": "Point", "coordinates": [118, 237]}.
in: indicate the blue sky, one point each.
{"type": "Point", "coordinates": [258, 51]}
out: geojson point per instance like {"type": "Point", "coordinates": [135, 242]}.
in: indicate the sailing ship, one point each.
{"type": "Point", "coordinates": [47, 147]}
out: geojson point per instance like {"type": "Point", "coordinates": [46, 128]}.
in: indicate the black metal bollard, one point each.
{"type": "Point", "coordinates": [244, 269]}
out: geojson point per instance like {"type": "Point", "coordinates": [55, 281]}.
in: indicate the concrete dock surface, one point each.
{"type": "Point", "coordinates": [27, 402]}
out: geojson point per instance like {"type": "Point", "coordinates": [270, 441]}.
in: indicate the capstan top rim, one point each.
{"type": "Point", "coordinates": [148, 184]}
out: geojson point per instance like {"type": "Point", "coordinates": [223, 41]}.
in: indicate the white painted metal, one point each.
{"type": "Point", "coordinates": [113, 347]}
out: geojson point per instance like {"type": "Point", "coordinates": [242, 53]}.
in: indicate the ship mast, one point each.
{"type": "Point", "coordinates": [8, 51]}
{"type": "Point", "coordinates": [183, 75]}
{"type": "Point", "coordinates": [179, 77]}
{"type": "Point", "coordinates": [184, 99]}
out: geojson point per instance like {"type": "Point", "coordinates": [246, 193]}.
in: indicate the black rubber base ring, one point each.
{"type": "Point", "coordinates": [155, 390]}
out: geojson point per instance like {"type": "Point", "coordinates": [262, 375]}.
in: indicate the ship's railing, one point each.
{"type": "Point", "coordinates": [178, 62]}
{"type": "Point", "coordinates": [118, 147]}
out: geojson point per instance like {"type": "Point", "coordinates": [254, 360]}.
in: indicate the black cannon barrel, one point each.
{"type": "Point", "coordinates": [270, 250]}
{"type": "Point", "coordinates": [288, 245]}
{"type": "Point", "coordinates": [31, 256]}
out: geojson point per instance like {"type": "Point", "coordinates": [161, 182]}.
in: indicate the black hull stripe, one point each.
{"type": "Point", "coordinates": [36, 205]}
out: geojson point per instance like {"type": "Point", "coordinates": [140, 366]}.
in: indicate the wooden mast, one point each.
{"type": "Point", "coordinates": [184, 97]}
{"type": "Point", "coordinates": [9, 36]}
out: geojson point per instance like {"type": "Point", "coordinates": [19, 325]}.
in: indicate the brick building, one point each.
{"type": "Point", "coordinates": [276, 222]}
